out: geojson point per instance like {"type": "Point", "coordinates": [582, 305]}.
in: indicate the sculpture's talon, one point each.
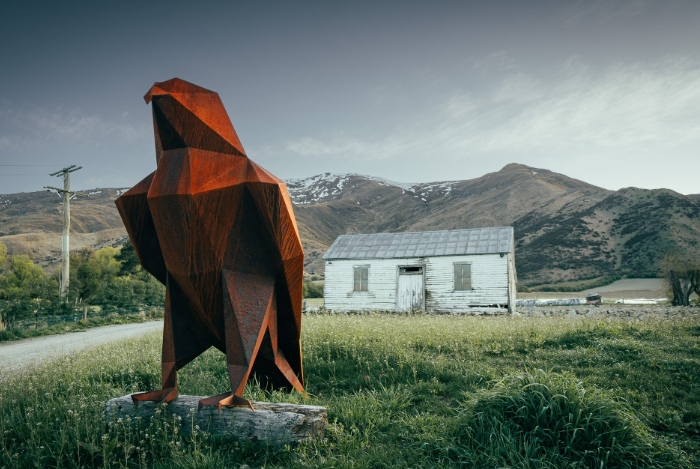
{"type": "Point", "coordinates": [165, 395]}
{"type": "Point", "coordinates": [225, 400]}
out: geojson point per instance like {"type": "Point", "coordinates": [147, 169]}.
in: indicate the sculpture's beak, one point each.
{"type": "Point", "coordinates": [154, 91]}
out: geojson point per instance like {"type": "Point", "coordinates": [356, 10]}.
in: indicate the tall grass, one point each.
{"type": "Point", "coordinates": [541, 419]}
{"type": "Point", "coordinates": [410, 391]}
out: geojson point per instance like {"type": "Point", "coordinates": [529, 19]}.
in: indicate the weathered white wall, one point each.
{"type": "Point", "coordinates": [381, 294]}
{"type": "Point", "coordinates": [490, 279]}
{"type": "Point", "coordinates": [512, 282]}
{"type": "Point", "coordinates": [489, 282]}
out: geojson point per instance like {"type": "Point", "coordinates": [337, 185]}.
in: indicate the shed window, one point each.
{"type": "Point", "coordinates": [361, 277]}
{"type": "Point", "coordinates": [463, 277]}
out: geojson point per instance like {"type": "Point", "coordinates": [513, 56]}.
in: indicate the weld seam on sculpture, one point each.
{"type": "Point", "coordinates": [219, 232]}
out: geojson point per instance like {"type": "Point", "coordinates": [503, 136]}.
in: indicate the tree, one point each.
{"type": "Point", "coordinates": [27, 276]}
{"type": "Point", "coordinates": [682, 277]}
{"type": "Point", "coordinates": [3, 257]}
{"type": "Point", "coordinates": [92, 272]}
{"type": "Point", "coordinates": [22, 289]}
{"type": "Point", "coordinates": [108, 277]}
{"type": "Point", "coordinates": [113, 278]}
{"type": "Point", "coordinates": [312, 290]}
{"type": "Point", "coordinates": [129, 261]}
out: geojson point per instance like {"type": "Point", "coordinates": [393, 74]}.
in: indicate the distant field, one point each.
{"type": "Point", "coordinates": [401, 391]}
{"type": "Point", "coordinates": [620, 289]}
{"type": "Point", "coordinates": [633, 284]}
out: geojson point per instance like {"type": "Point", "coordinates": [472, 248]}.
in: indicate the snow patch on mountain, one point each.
{"type": "Point", "coordinates": [319, 188]}
{"type": "Point", "coordinates": [329, 186]}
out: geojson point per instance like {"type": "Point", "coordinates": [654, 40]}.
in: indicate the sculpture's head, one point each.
{"type": "Point", "coordinates": [186, 115]}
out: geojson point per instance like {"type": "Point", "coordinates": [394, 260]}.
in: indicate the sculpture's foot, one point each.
{"type": "Point", "coordinates": [165, 395]}
{"type": "Point", "coordinates": [225, 400]}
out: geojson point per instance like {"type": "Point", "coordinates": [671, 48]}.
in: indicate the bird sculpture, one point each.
{"type": "Point", "coordinates": [219, 232]}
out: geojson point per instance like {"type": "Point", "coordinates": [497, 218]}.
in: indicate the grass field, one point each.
{"type": "Point", "coordinates": [401, 391]}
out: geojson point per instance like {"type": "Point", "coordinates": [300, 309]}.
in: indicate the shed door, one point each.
{"type": "Point", "coordinates": [409, 290]}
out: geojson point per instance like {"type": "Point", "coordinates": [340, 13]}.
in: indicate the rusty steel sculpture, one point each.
{"type": "Point", "coordinates": [218, 230]}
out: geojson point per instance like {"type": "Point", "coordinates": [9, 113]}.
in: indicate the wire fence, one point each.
{"type": "Point", "coordinates": [38, 322]}
{"type": "Point", "coordinates": [311, 304]}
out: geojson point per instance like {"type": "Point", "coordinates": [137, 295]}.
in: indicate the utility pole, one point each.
{"type": "Point", "coordinates": [65, 247]}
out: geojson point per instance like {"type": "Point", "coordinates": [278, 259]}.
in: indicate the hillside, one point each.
{"type": "Point", "coordinates": [31, 223]}
{"type": "Point", "coordinates": [627, 233]}
{"type": "Point", "coordinates": [565, 229]}
{"type": "Point", "coordinates": [329, 205]}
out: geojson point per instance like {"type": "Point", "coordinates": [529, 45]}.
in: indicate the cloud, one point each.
{"type": "Point", "coordinates": [22, 128]}
{"type": "Point", "coordinates": [519, 87]}
{"type": "Point", "coordinates": [341, 144]}
{"type": "Point", "coordinates": [499, 60]}
{"type": "Point", "coordinates": [307, 146]}
{"type": "Point", "coordinates": [628, 105]}
{"type": "Point", "coordinates": [611, 111]}
{"type": "Point", "coordinates": [460, 105]}
{"type": "Point", "coordinates": [600, 11]}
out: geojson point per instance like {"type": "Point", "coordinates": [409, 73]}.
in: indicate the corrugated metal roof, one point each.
{"type": "Point", "coordinates": [422, 244]}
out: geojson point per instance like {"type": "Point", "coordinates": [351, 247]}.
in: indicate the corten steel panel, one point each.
{"type": "Point", "coordinates": [219, 232]}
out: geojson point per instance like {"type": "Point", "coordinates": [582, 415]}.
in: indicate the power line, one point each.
{"type": "Point", "coordinates": [36, 165]}
{"type": "Point", "coordinates": [65, 249]}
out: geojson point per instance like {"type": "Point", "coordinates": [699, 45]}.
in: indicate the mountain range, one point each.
{"type": "Point", "coordinates": [565, 229]}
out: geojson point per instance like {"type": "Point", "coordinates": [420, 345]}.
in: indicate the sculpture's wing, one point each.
{"type": "Point", "coordinates": [137, 218]}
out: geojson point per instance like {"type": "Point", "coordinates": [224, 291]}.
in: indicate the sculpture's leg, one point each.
{"type": "Point", "coordinates": [280, 359]}
{"type": "Point", "coordinates": [238, 369]}
{"type": "Point", "coordinates": [168, 362]}
{"type": "Point", "coordinates": [248, 304]}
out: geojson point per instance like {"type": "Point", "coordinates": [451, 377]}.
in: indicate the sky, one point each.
{"type": "Point", "coordinates": [603, 91]}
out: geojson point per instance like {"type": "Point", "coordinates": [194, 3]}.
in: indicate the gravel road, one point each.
{"type": "Point", "coordinates": [18, 355]}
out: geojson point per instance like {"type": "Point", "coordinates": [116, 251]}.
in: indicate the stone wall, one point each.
{"type": "Point", "coordinates": [614, 312]}
{"type": "Point", "coordinates": [622, 312]}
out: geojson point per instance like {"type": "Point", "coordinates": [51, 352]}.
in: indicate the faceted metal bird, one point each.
{"type": "Point", "coordinates": [219, 231]}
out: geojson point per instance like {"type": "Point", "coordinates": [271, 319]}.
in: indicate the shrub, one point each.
{"type": "Point", "coordinates": [542, 419]}
{"type": "Point", "coordinates": [313, 290]}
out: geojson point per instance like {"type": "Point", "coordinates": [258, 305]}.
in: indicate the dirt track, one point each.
{"type": "Point", "coordinates": [15, 356]}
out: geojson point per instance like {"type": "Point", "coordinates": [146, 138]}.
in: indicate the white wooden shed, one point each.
{"type": "Point", "coordinates": [450, 270]}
